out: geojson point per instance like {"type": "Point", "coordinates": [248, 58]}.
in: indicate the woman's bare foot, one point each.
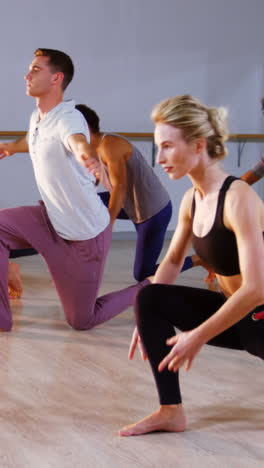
{"type": "Point", "coordinates": [14, 281]}
{"type": "Point", "coordinates": [169, 418]}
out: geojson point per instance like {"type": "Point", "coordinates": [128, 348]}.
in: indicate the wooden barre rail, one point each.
{"type": "Point", "coordinates": [240, 138]}
{"type": "Point", "coordinates": [232, 136]}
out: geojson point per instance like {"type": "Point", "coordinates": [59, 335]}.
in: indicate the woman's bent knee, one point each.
{"type": "Point", "coordinates": [148, 301]}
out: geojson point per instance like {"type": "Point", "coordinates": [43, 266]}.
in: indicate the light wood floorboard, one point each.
{"type": "Point", "coordinates": [64, 394]}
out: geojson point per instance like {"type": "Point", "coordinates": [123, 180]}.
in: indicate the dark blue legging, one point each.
{"type": "Point", "coordinates": [150, 238]}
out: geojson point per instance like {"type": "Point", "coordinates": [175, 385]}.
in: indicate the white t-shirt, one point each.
{"type": "Point", "coordinates": [67, 188]}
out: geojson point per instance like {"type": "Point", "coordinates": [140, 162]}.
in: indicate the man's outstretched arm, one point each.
{"type": "Point", "coordinates": [18, 146]}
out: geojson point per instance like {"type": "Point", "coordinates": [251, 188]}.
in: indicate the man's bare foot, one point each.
{"type": "Point", "coordinates": [169, 418]}
{"type": "Point", "coordinates": [14, 281]}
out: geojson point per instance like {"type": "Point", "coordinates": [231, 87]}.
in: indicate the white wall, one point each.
{"type": "Point", "coordinates": [129, 55]}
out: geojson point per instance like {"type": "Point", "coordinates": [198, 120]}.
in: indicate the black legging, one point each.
{"type": "Point", "coordinates": [160, 308]}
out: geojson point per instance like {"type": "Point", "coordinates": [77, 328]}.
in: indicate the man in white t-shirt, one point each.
{"type": "Point", "coordinates": [70, 227]}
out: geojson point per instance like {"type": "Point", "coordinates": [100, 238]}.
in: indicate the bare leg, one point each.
{"type": "Point", "coordinates": [169, 418]}
{"type": "Point", "coordinates": [14, 281]}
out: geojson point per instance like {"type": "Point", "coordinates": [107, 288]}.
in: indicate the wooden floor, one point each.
{"type": "Point", "coordinates": [65, 394]}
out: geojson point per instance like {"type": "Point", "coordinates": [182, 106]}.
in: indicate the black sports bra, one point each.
{"type": "Point", "coordinates": [218, 248]}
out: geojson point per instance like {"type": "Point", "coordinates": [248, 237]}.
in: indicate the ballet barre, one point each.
{"type": "Point", "coordinates": [240, 138]}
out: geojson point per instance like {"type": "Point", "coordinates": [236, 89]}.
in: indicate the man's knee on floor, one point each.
{"type": "Point", "coordinates": [7, 327]}
{"type": "Point", "coordinates": [80, 325]}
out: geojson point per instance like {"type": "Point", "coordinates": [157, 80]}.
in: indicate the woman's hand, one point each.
{"type": "Point", "coordinates": [136, 341]}
{"type": "Point", "coordinates": [186, 347]}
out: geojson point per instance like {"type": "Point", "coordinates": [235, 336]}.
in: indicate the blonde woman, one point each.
{"type": "Point", "coordinates": [224, 220]}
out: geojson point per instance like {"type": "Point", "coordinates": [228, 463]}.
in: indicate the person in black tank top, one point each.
{"type": "Point", "coordinates": [218, 248]}
{"type": "Point", "coordinates": [223, 218]}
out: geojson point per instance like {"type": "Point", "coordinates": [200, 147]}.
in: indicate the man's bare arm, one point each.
{"type": "Point", "coordinates": [18, 146]}
{"type": "Point", "coordinates": [80, 147]}
{"type": "Point", "coordinates": [114, 152]}
{"type": "Point", "coordinates": [249, 177]}
{"type": "Point", "coordinates": [255, 173]}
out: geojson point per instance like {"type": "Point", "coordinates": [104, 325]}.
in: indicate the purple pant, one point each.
{"type": "Point", "coordinates": [76, 267]}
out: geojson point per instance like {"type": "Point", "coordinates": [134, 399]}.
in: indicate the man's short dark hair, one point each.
{"type": "Point", "coordinates": [59, 62]}
{"type": "Point", "coordinates": [90, 116]}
